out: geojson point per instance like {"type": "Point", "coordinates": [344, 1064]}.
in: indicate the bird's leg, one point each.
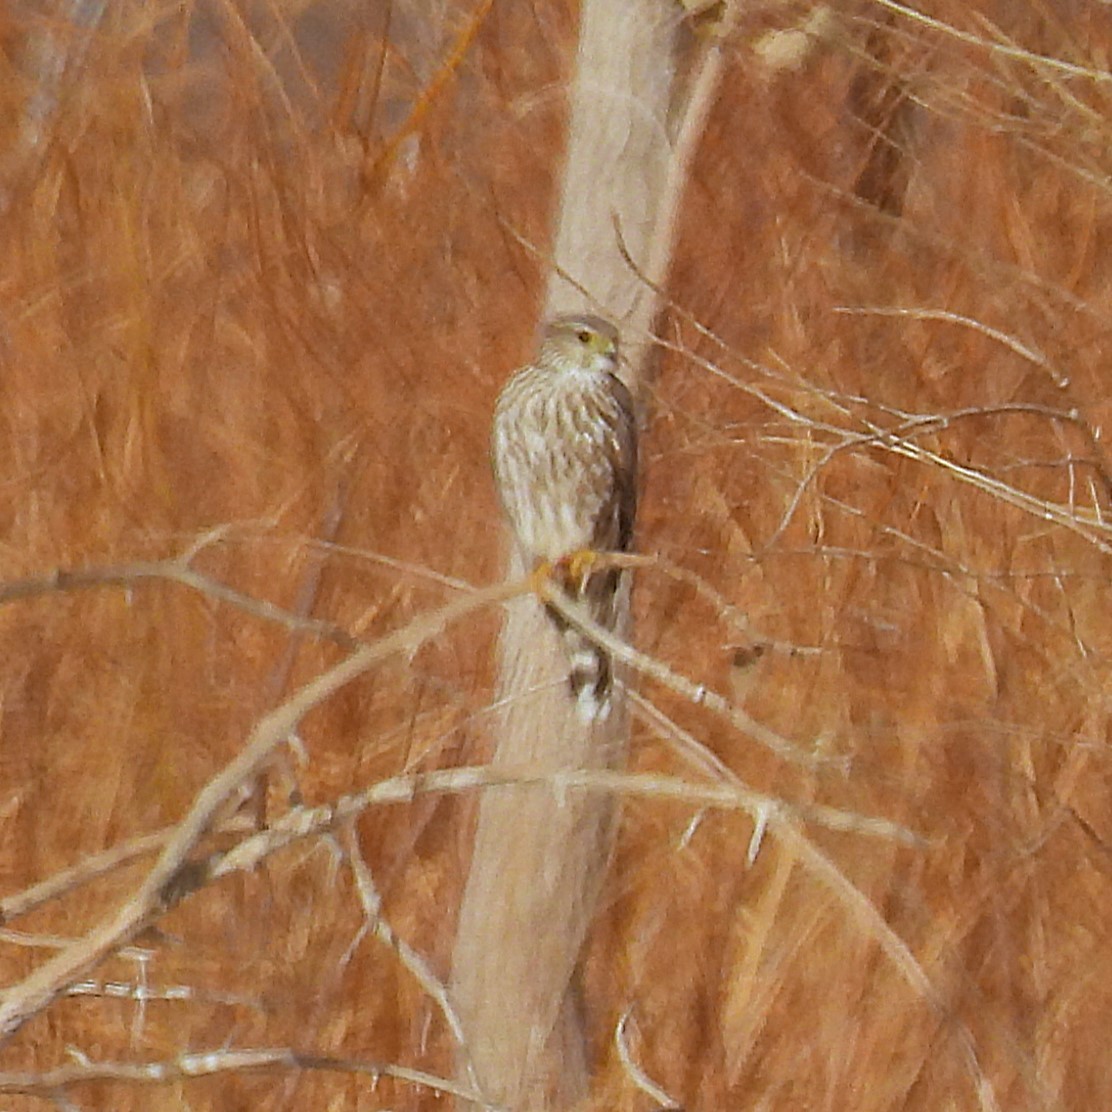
{"type": "Point", "coordinates": [543, 571]}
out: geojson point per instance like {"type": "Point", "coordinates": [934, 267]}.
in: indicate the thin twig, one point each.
{"type": "Point", "coordinates": [95, 866]}
{"type": "Point", "coordinates": [1036, 61]}
{"type": "Point", "coordinates": [1010, 342]}
{"type": "Point", "coordinates": [786, 827]}
{"type": "Point", "coordinates": [697, 694]}
{"type": "Point", "coordinates": [434, 988]}
{"type": "Point", "coordinates": [633, 1069]}
{"type": "Point", "coordinates": [175, 570]}
{"type": "Point", "coordinates": [283, 669]}
{"type": "Point", "coordinates": [214, 1062]}
{"type": "Point", "coordinates": [726, 793]}
{"type": "Point", "coordinates": [86, 870]}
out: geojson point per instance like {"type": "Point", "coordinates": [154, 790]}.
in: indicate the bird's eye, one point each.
{"type": "Point", "coordinates": [583, 336]}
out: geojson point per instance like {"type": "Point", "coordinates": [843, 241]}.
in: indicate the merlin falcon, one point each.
{"type": "Point", "coordinates": [564, 450]}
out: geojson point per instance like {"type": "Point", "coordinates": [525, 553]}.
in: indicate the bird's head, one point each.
{"type": "Point", "coordinates": [580, 342]}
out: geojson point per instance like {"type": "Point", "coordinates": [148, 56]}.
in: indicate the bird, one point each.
{"type": "Point", "coordinates": [564, 456]}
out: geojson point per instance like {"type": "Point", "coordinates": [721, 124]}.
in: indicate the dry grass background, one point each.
{"type": "Point", "coordinates": [260, 275]}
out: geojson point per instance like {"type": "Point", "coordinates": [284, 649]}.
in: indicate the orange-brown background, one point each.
{"type": "Point", "coordinates": [264, 270]}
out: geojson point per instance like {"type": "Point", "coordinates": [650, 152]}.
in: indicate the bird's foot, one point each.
{"type": "Point", "coordinates": [574, 569]}
{"type": "Point", "coordinates": [569, 573]}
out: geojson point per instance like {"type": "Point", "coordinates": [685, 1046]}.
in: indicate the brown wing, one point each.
{"type": "Point", "coordinates": [614, 529]}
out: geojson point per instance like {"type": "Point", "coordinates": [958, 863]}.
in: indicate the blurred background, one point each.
{"type": "Point", "coordinates": [263, 268]}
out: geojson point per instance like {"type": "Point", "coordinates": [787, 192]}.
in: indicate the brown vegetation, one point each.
{"type": "Point", "coordinates": [264, 270]}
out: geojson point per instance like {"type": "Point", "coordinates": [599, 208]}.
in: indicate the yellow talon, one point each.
{"type": "Point", "coordinates": [569, 572]}
{"type": "Point", "coordinates": [579, 566]}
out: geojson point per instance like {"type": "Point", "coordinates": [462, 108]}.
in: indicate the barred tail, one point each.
{"type": "Point", "coordinates": [590, 677]}
{"type": "Point", "coordinates": [590, 669]}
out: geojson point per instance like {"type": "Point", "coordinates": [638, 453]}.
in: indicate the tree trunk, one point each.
{"type": "Point", "coordinates": [539, 858]}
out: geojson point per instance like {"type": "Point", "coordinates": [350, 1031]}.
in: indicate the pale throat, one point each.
{"type": "Point", "coordinates": [599, 363]}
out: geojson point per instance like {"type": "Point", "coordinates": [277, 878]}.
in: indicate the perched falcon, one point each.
{"type": "Point", "coordinates": [564, 448]}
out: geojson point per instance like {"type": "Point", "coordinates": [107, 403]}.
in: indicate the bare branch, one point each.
{"type": "Point", "coordinates": [300, 823]}
{"type": "Point", "coordinates": [697, 694]}
{"type": "Point", "coordinates": [854, 900]}
{"type": "Point", "coordinates": [173, 873]}
{"type": "Point", "coordinates": [634, 1071]}
{"type": "Point", "coordinates": [175, 570]}
{"type": "Point", "coordinates": [434, 988]}
{"type": "Point", "coordinates": [215, 1062]}
{"type": "Point", "coordinates": [94, 866]}
{"type": "Point", "coordinates": [1036, 61]}
{"type": "Point", "coordinates": [1010, 342]}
